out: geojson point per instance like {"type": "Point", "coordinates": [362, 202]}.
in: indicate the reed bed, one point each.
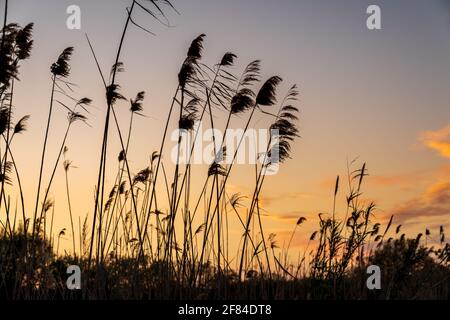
{"type": "Point", "coordinates": [150, 236]}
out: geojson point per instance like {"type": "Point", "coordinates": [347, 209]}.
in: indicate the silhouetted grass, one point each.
{"type": "Point", "coordinates": [130, 246]}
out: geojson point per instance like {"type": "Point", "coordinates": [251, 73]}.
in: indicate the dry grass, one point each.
{"type": "Point", "coordinates": [130, 246]}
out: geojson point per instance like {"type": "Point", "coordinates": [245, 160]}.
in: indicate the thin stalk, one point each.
{"type": "Point", "coordinates": [70, 210]}
{"type": "Point", "coordinates": [5, 162]}
{"type": "Point", "coordinates": [120, 176]}
{"type": "Point", "coordinates": [170, 229]}
{"type": "Point", "coordinates": [5, 20]}
{"type": "Point", "coordinates": [101, 173]}
{"type": "Point", "coordinates": [228, 172]}
{"type": "Point", "coordinates": [43, 157]}
{"type": "Point", "coordinates": [25, 226]}
{"type": "Point", "coordinates": [153, 194]}
{"type": "Point", "coordinates": [61, 149]}
{"type": "Point", "coordinates": [133, 198]}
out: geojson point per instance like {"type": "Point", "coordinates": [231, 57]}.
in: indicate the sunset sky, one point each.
{"type": "Point", "coordinates": [381, 96]}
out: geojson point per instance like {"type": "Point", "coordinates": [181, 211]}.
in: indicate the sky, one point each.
{"type": "Point", "coordinates": [379, 96]}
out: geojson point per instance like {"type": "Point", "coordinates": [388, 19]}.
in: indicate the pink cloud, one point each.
{"type": "Point", "coordinates": [434, 202]}
{"type": "Point", "coordinates": [438, 140]}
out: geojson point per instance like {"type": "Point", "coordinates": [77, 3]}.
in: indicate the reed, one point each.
{"type": "Point", "coordinates": [152, 236]}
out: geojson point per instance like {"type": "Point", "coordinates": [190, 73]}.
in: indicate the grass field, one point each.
{"type": "Point", "coordinates": [149, 236]}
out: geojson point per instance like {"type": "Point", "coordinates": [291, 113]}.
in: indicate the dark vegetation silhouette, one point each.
{"type": "Point", "coordinates": [130, 246]}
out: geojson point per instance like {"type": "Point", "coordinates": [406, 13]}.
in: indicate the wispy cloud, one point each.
{"type": "Point", "coordinates": [299, 240]}
{"type": "Point", "coordinates": [434, 202]}
{"type": "Point", "coordinates": [393, 180]}
{"type": "Point", "coordinates": [438, 140]}
{"type": "Point", "coordinates": [290, 217]}
{"type": "Point", "coordinates": [266, 200]}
